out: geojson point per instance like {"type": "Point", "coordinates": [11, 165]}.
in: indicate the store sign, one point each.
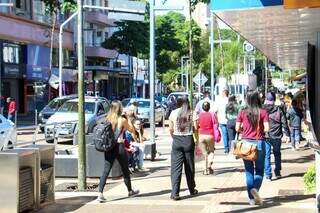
{"type": "Point", "coordinates": [12, 70]}
{"type": "Point", "coordinates": [296, 4]}
{"type": "Point", "coordinates": [225, 5]}
{"type": "Point", "coordinates": [38, 73]}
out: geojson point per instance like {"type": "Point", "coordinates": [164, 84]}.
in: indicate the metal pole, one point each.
{"type": "Point", "coordinates": [152, 68]}
{"type": "Point", "coordinates": [212, 54]}
{"type": "Point", "coordinates": [181, 71]}
{"type": "Point", "coordinates": [190, 54]}
{"type": "Point", "coordinates": [266, 77]}
{"type": "Point", "coordinates": [187, 75]}
{"type": "Point", "coordinates": [60, 50]}
{"type": "Point", "coordinates": [81, 125]}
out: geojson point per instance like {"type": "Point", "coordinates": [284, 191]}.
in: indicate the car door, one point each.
{"type": "Point", "coordinates": [4, 131]}
{"type": "Point", "coordinates": [158, 111]}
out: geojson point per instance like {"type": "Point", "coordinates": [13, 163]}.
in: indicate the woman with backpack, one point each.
{"type": "Point", "coordinates": [120, 124]}
{"type": "Point", "coordinates": [253, 122]}
{"type": "Point", "coordinates": [182, 153]}
{"type": "Point", "coordinates": [207, 123]}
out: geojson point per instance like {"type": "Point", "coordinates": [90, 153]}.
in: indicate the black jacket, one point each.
{"type": "Point", "coordinates": [295, 116]}
{"type": "Point", "coordinates": [277, 122]}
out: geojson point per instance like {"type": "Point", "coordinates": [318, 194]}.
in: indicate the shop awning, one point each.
{"type": "Point", "coordinates": [281, 34]}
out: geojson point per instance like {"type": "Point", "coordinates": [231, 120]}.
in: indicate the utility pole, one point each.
{"type": "Point", "coordinates": [81, 119]}
{"type": "Point", "coordinates": [212, 54]}
{"type": "Point", "coordinates": [190, 56]}
{"type": "Point", "coordinates": [152, 69]}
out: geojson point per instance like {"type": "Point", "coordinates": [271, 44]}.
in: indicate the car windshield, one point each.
{"type": "Point", "coordinates": [125, 102]}
{"type": "Point", "coordinates": [73, 107]}
{"type": "Point", "coordinates": [55, 104]}
{"type": "Point", "coordinates": [143, 104]}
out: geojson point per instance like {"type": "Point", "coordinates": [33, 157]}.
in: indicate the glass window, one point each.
{"type": "Point", "coordinates": [73, 107]}
{"type": "Point", "coordinates": [11, 53]}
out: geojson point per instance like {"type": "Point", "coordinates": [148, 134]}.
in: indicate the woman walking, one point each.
{"type": "Point", "coordinates": [119, 124]}
{"type": "Point", "coordinates": [206, 124]}
{"type": "Point", "coordinates": [180, 125]}
{"type": "Point", "coordinates": [253, 122]}
{"type": "Point", "coordinates": [232, 111]}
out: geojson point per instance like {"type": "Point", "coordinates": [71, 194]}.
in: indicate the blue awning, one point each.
{"type": "Point", "coordinates": [225, 5]}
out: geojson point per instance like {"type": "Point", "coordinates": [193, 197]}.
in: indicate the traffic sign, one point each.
{"type": "Point", "coordinates": [200, 79]}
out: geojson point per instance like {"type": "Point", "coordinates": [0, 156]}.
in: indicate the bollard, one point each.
{"type": "Point", "coordinates": [36, 125]}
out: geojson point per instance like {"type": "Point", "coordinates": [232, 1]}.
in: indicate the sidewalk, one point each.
{"type": "Point", "coordinates": [223, 192]}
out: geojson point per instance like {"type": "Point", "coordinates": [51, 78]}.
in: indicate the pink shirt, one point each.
{"type": "Point", "coordinates": [206, 123]}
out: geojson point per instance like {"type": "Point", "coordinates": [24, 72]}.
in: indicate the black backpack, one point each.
{"type": "Point", "coordinates": [104, 138]}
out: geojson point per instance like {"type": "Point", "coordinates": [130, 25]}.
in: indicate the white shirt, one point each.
{"type": "Point", "coordinates": [199, 109]}
{"type": "Point", "coordinates": [221, 107]}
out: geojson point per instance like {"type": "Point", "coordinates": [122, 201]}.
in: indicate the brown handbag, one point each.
{"type": "Point", "coordinates": [246, 150]}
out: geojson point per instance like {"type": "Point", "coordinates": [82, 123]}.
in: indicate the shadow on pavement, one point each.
{"type": "Point", "coordinates": [302, 159]}
{"type": "Point", "coordinates": [73, 203]}
{"type": "Point", "coordinates": [268, 202]}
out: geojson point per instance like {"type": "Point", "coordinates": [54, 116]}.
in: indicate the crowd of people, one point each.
{"type": "Point", "coordinates": [264, 121]}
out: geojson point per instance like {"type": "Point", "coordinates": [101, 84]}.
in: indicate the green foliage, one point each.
{"type": "Point", "coordinates": [309, 179]}
{"type": "Point", "coordinates": [54, 6]}
{"type": "Point", "coordinates": [131, 38]}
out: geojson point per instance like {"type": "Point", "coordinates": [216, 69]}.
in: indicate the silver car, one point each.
{"type": "Point", "coordinates": [144, 109]}
{"type": "Point", "coordinates": [64, 121]}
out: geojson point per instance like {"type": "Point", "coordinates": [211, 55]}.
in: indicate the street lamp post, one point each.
{"type": "Point", "coordinates": [212, 54]}
{"type": "Point", "coordinates": [153, 8]}
{"type": "Point", "coordinates": [182, 72]}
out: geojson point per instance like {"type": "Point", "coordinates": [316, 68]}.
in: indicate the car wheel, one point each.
{"type": "Point", "coordinates": [50, 141]}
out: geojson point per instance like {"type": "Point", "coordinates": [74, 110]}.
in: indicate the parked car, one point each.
{"type": "Point", "coordinates": [7, 133]}
{"type": "Point", "coordinates": [95, 109]}
{"type": "Point", "coordinates": [51, 108]}
{"type": "Point", "coordinates": [144, 109]}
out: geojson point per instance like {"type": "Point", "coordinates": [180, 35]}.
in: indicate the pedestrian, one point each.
{"type": "Point", "coordinates": [295, 116]}
{"type": "Point", "coordinates": [278, 125]}
{"type": "Point", "coordinates": [119, 124]}
{"type": "Point", "coordinates": [206, 123]}
{"type": "Point", "coordinates": [253, 122]}
{"type": "Point", "coordinates": [232, 111]}
{"type": "Point", "coordinates": [12, 107]}
{"type": "Point", "coordinates": [139, 139]}
{"type": "Point", "coordinates": [182, 152]}
{"type": "Point", "coordinates": [2, 104]}
{"type": "Point", "coordinates": [199, 106]}
{"type": "Point", "coordinates": [222, 118]}
{"type": "Point", "coordinates": [133, 154]}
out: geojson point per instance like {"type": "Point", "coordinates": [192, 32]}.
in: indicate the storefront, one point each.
{"type": "Point", "coordinates": [12, 70]}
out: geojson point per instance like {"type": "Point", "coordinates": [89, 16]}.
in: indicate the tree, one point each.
{"type": "Point", "coordinates": [131, 38]}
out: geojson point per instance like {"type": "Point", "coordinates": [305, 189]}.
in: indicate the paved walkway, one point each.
{"type": "Point", "coordinates": [223, 192]}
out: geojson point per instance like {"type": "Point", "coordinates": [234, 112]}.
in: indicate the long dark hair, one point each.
{"type": "Point", "coordinates": [183, 120]}
{"type": "Point", "coordinates": [232, 104]}
{"type": "Point", "coordinates": [253, 108]}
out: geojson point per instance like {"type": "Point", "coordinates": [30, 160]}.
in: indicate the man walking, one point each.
{"type": "Point", "coordinates": [278, 125]}
{"type": "Point", "coordinates": [12, 107]}
{"type": "Point", "coordinates": [222, 118]}
{"type": "Point", "coordinates": [206, 98]}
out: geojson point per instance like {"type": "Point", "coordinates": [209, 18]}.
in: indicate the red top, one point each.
{"type": "Point", "coordinates": [249, 132]}
{"type": "Point", "coordinates": [12, 107]}
{"type": "Point", "coordinates": [206, 123]}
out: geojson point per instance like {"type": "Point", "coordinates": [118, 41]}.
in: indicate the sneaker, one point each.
{"type": "Point", "coordinates": [133, 193]}
{"type": "Point", "coordinates": [269, 179]}
{"type": "Point", "coordinates": [252, 202]}
{"type": "Point", "coordinates": [256, 196]}
{"type": "Point", "coordinates": [143, 170]}
{"type": "Point", "coordinates": [101, 198]}
{"type": "Point", "coordinates": [175, 197]}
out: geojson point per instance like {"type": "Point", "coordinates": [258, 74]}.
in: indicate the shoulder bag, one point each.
{"type": "Point", "coordinates": [246, 150]}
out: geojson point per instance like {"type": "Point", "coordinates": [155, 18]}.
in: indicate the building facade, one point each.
{"type": "Point", "coordinates": [25, 38]}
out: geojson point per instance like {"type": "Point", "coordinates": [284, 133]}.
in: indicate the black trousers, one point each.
{"type": "Point", "coordinates": [120, 154]}
{"type": "Point", "coordinates": [182, 154]}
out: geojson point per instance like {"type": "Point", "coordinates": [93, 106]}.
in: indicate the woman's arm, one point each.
{"type": "Point", "coordinates": [238, 126]}
{"type": "Point", "coordinates": [266, 126]}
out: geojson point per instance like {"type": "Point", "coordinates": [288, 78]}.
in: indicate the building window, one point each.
{"type": "Point", "coordinates": [11, 53]}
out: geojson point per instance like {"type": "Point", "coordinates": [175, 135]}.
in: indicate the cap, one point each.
{"type": "Point", "coordinates": [269, 98]}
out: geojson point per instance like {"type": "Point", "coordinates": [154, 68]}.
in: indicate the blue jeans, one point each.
{"type": "Point", "coordinates": [224, 131]}
{"type": "Point", "coordinates": [254, 169]}
{"type": "Point", "coordinates": [295, 136]}
{"type": "Point", "coordinates": [275, 145]}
